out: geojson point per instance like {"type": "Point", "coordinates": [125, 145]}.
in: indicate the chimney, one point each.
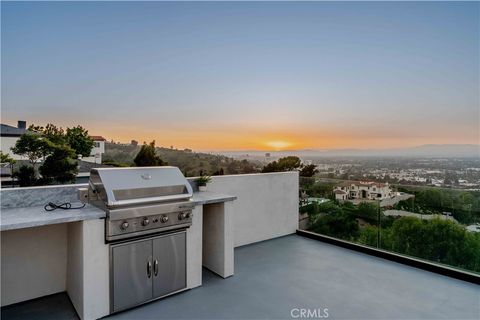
{"type": "Point", "coordinates": [22, 124]}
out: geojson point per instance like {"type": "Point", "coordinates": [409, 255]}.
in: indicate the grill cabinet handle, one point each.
{"type": "Point", "coordinates": [155, 267]}
{"type": "Point", "coordinates": [149, 269]}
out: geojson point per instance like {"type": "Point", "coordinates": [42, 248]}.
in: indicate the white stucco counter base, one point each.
{"type": "Point", "coordinates": [217, 240]}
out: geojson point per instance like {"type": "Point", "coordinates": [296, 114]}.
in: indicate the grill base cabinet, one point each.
{"type": "Point", "coordinates": [169, 264]}
{"type": "Point", "coordinates": [147, 269]}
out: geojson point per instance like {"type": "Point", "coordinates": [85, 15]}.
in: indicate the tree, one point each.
{"type": "Point", "coordinates": [147, 156]}
{"type": "Point", "coordinates": [340, 225]}
{"type": "Point", "coordinates": [51, 132]}
{"type": "Point", "coordinates": [60, 166]}
{"type": "Point", "coordinates": [79, 140]}
{"type": "Point", "coordinates": [368, 236]}
{"type": "Point", "coordinates": [436, 240]}
{"type": "Point", "coordinates": [5, 158]}
{"type": "Point", "coordinates": [289, 163]}
{"type": "Point", "coordinates": [25, 176]}
{"type": "Point", "coordinates": [219, 172]}
{"type": "Point", "coordinates": [367, 211]}
{"type": "Point", "coordinates": [432, 198]}
{"type": "Point", "coordinates": [308, 170]}
{"type": "Point", "coordinates": [271, 167]}
{"type": "Point", "coordinates": [31, 146]}
{"type": "Point", "coordinates": [407, 235]}
{"type": "Point", "coordinates": [317, 189]}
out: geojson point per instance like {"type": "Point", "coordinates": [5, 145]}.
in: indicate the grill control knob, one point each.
{"type": "Point", "coordinates": [124, 225]}
{"type": "Point", "coordinates": [188, 215]}
{"type": "Point", "coordinates": [182, 216]}
{"type": "Point", "coordinates": [164, 219]}
{"type": "Point", "coordinates": [145, 222]}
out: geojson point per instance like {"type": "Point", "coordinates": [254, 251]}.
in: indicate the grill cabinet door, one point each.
{"type": "Point", "coordinates": [169, 264]}
{"type": "Point", "coordinates": [132, 274]}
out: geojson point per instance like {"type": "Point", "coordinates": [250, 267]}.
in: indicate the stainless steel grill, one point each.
{"type": "Point", "coordinates": [148, 210]}
{"type": "Point", "coordinates": [140, 200]}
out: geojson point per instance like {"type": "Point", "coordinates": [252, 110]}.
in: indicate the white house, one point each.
{"type": "Point", "coordinates": [97, 151]}
{"type": "Point", "coordinates": [9, 136]}
{"type": "Point", "coordinates": [366, 190]}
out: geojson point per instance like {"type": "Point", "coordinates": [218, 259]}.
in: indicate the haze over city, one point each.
{"type": "Point", "coordinates": [247, 76]}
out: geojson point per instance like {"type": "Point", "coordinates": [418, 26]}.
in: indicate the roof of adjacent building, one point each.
{"type": "Point", "coordinates": [85, 166]}
{"type": "Point", "coordinates": [98, 138]}
{"type": "Point", "coordinates": [10, 131]}
{"type": "Point", "coordinates": [339, 192]}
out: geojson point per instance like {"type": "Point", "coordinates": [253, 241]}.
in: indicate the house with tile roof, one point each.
{"type": "Point", "coordinates": [97, 151]}
{"type": "Point", "coordinates": [362, 190]}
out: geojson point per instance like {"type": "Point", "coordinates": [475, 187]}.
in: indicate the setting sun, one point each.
{"type": "Point", "coordinates": [278, 144]}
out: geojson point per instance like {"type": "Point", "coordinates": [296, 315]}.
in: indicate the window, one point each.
{"type": "Point", "coordinates": [97, 144]}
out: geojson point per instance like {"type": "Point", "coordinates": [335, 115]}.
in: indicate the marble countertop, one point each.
{"type": "Point", "coordinates": [27, 217]}
{"type": "Point", "coordinates": [36, 216]}
{"type": "Point", "coordinates": [208, 197]}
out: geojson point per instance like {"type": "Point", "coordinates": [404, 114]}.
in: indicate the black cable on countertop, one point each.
{"type": "Point", "coordinates": [65, 206]}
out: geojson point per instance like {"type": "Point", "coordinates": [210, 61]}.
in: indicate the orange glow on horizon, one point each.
{"type": "Point", "coordinates": [228, 141]}
{"type": "Point", "coordinates": [262, 136]}
{"type": "Point", "coordinates": [208, 140]}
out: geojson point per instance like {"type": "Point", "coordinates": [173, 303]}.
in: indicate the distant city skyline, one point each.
{"type": "Point", "coordinates": [247, 75]}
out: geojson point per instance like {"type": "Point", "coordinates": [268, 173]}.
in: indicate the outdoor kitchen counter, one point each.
{"type": "Point", "coordinates": [207, 197]}
{"type": "Point", "coordinates": [27, 217]}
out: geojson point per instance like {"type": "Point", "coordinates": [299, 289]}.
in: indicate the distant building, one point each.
{"type": "Point", "coordinates": [9, 136]}
{"type": "Point", "coordinates": [97, 150]}
{"type": "Point", "coordinates": [268, 157]}
{"type": "Point", "coordinates": [473, 228]}
{"type": "Point", "coordinates": [362, 190]}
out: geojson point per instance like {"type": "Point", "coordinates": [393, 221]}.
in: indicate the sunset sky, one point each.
{"type": "Point", "coordinates": [244, 76]}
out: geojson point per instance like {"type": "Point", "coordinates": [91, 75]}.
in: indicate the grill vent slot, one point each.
{"type": "Point", "coordinates": [140, 193]}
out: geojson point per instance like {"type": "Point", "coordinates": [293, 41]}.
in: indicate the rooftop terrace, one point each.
{"type": "Point", "coordinates": [273, 277]}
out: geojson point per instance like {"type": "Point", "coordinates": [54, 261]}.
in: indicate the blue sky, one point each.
{"type": "Point", "coordinates": [247, 75]}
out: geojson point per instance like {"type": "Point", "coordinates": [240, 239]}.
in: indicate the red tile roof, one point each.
{"type": "Point", "coordinates": [98, 138]}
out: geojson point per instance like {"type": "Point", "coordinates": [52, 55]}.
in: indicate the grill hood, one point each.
{"type": "Point", "coordinates": [127, 186]}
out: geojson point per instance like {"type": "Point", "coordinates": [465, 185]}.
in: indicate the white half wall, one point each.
{"type": "Point", "coordinates": [34, 262]}
{"type": "Point", "coordinates": [6, 143]}
{"type": "Point", "coordinates": [266, 205]}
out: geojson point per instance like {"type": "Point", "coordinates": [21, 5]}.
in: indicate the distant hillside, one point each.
{"type": "Point", "coordinates": [191, 163]}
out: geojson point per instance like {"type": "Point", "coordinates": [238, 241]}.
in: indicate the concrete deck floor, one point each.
{"type": "Point", "coordinates": [273, 277]}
